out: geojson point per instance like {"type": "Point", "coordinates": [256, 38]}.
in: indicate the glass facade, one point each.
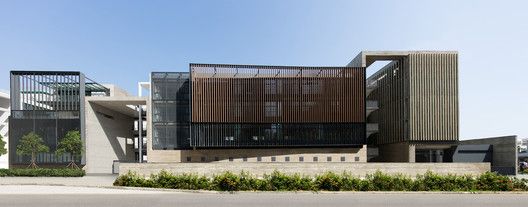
{"type": "Point", "coordinates": [49, 104]}
{"type": "Point", "coordinates": [230, 106]}
{"type": "Point", "coordinates": [220, 135]}
{"type": "Point", "coordinates": [170, 110]}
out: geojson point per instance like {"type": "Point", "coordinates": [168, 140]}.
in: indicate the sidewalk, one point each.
{"type": "Point", "coordinates": [89, 180]}
{"type": "Point", "coordinates": [68, 190]}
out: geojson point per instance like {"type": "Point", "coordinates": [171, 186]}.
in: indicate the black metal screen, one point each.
{"type": "Point", "coordinates": [170, 110]}
{"type": "Point", "coordinates": [48, 103]}
{"type": "Point", "coordinates": [221, 135]}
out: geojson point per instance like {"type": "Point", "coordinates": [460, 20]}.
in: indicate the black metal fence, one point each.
{"type": "Point", "coordinates": [48, 103]}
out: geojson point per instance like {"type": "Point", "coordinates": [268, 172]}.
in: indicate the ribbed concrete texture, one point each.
{"type": "Point", "coordinates": [417, 95]}
{"type": "Point", "coordinates": [308, 169]}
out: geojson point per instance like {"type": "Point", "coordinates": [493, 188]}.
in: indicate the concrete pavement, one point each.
{"type": "Point", "coordinates": [105, 180]}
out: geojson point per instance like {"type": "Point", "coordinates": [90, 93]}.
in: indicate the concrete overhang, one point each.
{"type": "Point", "coordinates": [366, 58]}
{"type": "Point", "coordinates": [119, 103]}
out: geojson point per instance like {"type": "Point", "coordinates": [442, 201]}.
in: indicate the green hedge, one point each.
{"type": "Point", "coordinates": [42, 172]}
{"type": "Point", "coordinates": [328, 182]}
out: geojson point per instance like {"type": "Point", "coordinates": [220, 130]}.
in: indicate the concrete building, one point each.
{"type": "Point", "coordinates": [501, 152]}
{"type": "Point", "coordinates": [4, 125]}
{"type": "Point", "coordinates": [417, 96]}
{"type": "Point", "coordinates": [214, 113]}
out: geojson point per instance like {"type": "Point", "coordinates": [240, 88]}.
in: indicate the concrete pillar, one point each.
{"type": "Point", "coordinates": [439, 155]}
{"type": "Point", "coordinates": [412, 153]}
{"type": "Point", "coordinates": [140, 134]}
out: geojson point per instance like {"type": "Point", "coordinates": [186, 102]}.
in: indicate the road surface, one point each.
{"type": "Point", "coordinates": [58, 196]}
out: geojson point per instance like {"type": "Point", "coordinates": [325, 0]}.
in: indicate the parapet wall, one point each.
{"type": "Point", "coordinates": [308, 169]}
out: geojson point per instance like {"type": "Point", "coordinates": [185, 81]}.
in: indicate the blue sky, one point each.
{"type": "Point", "coordinates": [122, 41]}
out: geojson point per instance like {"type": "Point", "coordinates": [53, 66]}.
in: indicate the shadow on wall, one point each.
{"type": "Point", "coordinates": [224, 154]}
{"type": "Point", "coordinates": [112, 130]}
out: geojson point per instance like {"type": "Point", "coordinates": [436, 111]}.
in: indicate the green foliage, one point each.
{"type": "Point", "coordinates": [71, 143]}
{"type": "Point", "coordinates": [42, 172]}
{"type": "Point", "coordinates": [31, 144]}
{"type": "Point", "coordinates": [278, 181]}
{"type": "Point", "coordinates": [329, 181]}
{"type": "Point", "coordinates": [383, 182]}
{"type": "Point", "coordinates": [494, 182]}
{"type": "Point", "coordinates": [185, 181]}
{"type": "Point", "coordinates": [434, 182]}
{"type": "Point", "coordinates": [226, 182]}
{"type": "Point", "coordinates": [3, 149]}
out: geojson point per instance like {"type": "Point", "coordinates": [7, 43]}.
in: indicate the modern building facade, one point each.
{"type": "Point", "coordinates": [408, 111]}
{"type": "Point", "coordinates": [4, 125]}
{"type": "Point", "coordinates": [258, 113]}
{"type": "Point", "coordinates": [50, 104]}
{"type": "Point", "coordinates": [417, 95]}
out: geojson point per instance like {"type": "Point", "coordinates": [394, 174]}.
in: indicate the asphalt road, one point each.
{"type": "Point", "coordinates": [264, 199]}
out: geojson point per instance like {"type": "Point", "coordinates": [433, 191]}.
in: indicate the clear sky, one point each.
{"type": "Point", "coordinates": [122, 41]}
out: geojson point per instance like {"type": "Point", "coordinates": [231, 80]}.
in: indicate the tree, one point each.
{"type": "Point", "coordinates": [31, 144]}
{"type": "Point", "coordinates": [3, 150]}
{"type": "Point", "coordinates": [72, 144]}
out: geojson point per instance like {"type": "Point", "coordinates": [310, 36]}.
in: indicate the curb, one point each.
{"type": "Point", "coordinates": [167, 190]}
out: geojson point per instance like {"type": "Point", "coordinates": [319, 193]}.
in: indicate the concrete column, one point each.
{"type": "Point", "coordinates": [439, 155]}
{"type": "Point", "coordinates": [412, 153]}
{"type": "Point", "coordinates": [140, 134]}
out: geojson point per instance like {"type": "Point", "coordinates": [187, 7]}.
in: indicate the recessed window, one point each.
{"type": "Point", "coordinates": [202, 159]}
{"type": "Point", "coordinates": [273, 159]}
{"type": "Point", "coordinates": [259, 159]}
{"type": "Point", "coordinates": [357, 159]}
{"type": "Point", "coordinates": [188, 159]}
{"type": "Point", "coordinates": [230, 159]}
{"type": "Point", "coordinates": [301, 159]}
{"type": "Point", "coordinates": [286, 159]}
{"type": "Point", "coordinates": [329, 159]}
{"type": "Point", "coordinates": [315, 159]}
{"type": "Point", "coordinates": [343, 159]}
{"type": "Point", "coordinates": [244, 159]}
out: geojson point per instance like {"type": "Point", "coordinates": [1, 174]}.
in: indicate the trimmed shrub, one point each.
{"type": "Point", "coordinates": [328, 181]}
{"type": "Point", "coordinates": [133, 179]}
{"type": "Point", "coordinates": [278, 181]}
{"type": "Point", "coordinates": [383, 182]}
{"type": "Point", "coordinates": [493, 182]}
{"type": "Point", "coordinates": [42, 172]}
{"type": "Point", "coordinates": [226, 182]}
{"type": "Point", "coordinates": [185, 181]}
{"type": "Point", "coordinates": [350, 183]}
{"type": "Point", "coordinates": [435, 182]}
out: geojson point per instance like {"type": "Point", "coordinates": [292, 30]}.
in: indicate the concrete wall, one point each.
{"type": "Point", "coordinates": [106, 134]}
{"type": "Point", "coordinates": [116, 91]}
{"type": "Point", "coordinates": [504, 156]}
{"type": "Point", "coordinates": [266, 155]}
{"type": "Point", "coordinates": [400, 152]}
{"type": "Point", "coordinates": [5, 111]}
{"type": "Point", "coordinates": [309, 169]}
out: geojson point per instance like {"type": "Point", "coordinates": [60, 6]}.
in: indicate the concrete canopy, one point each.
{"type": "Point", "coordinates": [366, 58]}
{"type": "Point", "coordinates": [119, 104]}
